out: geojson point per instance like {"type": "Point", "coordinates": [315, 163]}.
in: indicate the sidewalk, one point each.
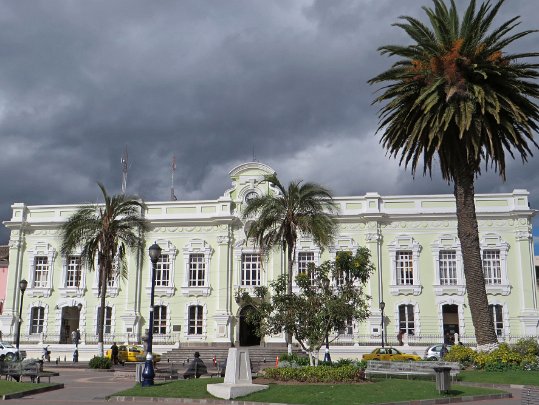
{"type": "Point", "coordinates": [84, 386]}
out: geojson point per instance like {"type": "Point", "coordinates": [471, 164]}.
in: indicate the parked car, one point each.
{"type": "Point", "coordinates": [9, 352]}
{"type": "Point", "coordinates": [433, 352]}
{"type": "Point", "coordinates": [390, 353]}
{"type": "Point", "coordinates": [131, 353]}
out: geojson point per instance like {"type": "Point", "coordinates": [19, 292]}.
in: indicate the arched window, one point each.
{"type": "Point", "coordinates": [196, 320]}
{"type": "Point", "coordinates": [160, 319]}
{"type": "Point", "coordinates": [37, 319]}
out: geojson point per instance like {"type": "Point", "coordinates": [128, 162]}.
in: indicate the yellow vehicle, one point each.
{"type": "Point", "coordinates": [131, 353]}
{"type": "Point", "coordinates": [390, 353]}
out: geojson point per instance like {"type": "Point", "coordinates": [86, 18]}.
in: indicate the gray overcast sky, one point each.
{"type": "Point", "coordinates": [209, 81]}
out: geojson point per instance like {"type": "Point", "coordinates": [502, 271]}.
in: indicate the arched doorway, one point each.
{"type": "Point", "coordinates": [70, 323]}
{"type": "Point", "coordinates": [248, 335]}
{"type": "Point", "coordinates": [450, 315]}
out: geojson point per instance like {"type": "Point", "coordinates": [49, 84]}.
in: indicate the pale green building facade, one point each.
{"type": "Point", "coordinates": [206, 258]}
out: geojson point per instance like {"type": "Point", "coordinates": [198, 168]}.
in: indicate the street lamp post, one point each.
{"type": "Point", "coordinates": [382, 306]}
{"type": "Point", "coordinates": [22, 286]}
{"type": "Point", "coordinates": [148, 373]}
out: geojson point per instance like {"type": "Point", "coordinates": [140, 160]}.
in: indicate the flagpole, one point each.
{"type": "Point", "coordinates": [173, 169]}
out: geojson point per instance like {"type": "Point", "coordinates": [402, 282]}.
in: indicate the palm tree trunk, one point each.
{"type": "Point", "coordinates": [290, 257]}
{"type": "Point", "coordinates": [468, 233]}
{"type": "Point", "coordinates": [101, 313]}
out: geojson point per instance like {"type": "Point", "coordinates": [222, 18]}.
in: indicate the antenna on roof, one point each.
{"type": "Point", "coordinates": [254, 157]}
{"type": "Point", "coordinates": [125, 168]}
{"type": "Point", "coordinates": [173, 169]}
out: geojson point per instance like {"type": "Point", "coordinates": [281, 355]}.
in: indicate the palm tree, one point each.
{"type": "Point", "coordinates": [305, 208]}
{"type": "Point", "coordinates": [103, 232]}
{"type": "Point", "coordinates": [457, 97]}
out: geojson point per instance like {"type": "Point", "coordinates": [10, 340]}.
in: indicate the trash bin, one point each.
{"type": "Point", "coordinates": [76, 356]}
{"type": "Point", "coordinates": [139, 368]}
{"type": "Point", "coordinates": [443, 378]}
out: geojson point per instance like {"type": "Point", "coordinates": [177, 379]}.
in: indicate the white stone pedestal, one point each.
{"type": "Point", "coordinates": [238, 378]}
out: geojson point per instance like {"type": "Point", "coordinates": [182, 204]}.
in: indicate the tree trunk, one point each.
{"type": "Point", "coordinates": [101, 313]}
{"type": "Point", "coordinates": [290, 257]}
{"type": "Point", "coordinates": [468, 233]}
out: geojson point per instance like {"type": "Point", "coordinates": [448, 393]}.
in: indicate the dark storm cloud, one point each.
{"type": "Point", "coordinates": [209, 81]}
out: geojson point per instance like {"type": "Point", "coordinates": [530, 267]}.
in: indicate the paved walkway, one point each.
{"type": "Point", "coordinates": [89, 387]}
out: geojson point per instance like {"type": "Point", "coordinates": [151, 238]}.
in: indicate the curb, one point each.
{"type": "Point", "coordinates": [191, 401]}
{"type": "Point", "coordinates": [40, 390]}
{"type": "Point", "coordinates": [221, 402]}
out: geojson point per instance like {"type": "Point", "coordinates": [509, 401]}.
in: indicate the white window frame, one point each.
{"type": "Point", "coordinates": [448, 243]}
{"type": "Point", "coordinates": [407, 309]}
{"type": "Point", "coordinates": [192, 247]}
{"type": "Point", "coordinates": [167, 289]}
{"type": "Point", "coordinates": [196, 337]}
{"type": "Point", "coordinates": [342, 244]}
{"type": "Point", "coordinates": [40, 320]}
{"type": "Point", "coordinates": [305, 258]}
{"type": "Point", "coordinates": [417, 318]}
{"type": "Point", "coordinates": [72, 291]}
{"type": "Point", "coordinates": [492, 241]}
{"type": "Point", "coordinates": [405, 243]}
{"type": "Point", "coordinates": [247, 247]}
{"type": "Point", "coordinates": [304, 245]}
{"type": "Point", "coordinates": [506, 332]}
{"type": "Point", "coordinates": [165, 319]}
{"type": "Point", "coordinates": [113, 283]}
{"type": "Point", "coordinates": [112, 319]}
{"type": "Point", "coordinates": [41, 249]}
{"type": "Point", "coordinates": [253, 282]}
{"type": "Point", "coordinates": [197, 267]}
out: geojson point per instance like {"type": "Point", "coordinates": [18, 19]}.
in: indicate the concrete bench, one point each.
{"type": "Point", "coordinates": [408, 368]}
{"type": "Point", "coordinates": [530, 395]}
{"type": "Point", "coordinates": [20, 370]}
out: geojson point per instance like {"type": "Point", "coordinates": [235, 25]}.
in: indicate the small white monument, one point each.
{"type": "Point", "coordinates": [238, 378]}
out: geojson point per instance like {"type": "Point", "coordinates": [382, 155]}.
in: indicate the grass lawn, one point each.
{"type": "Point", "coordinates": [11, 387]}
{"type": "Point", "coordinates": [498, 377]}
{"type": "Point", "coordinates": [391, 390]}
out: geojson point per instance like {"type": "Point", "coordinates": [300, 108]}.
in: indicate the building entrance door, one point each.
{"type": "Point", "coordinates": [451, 322]}
{"type": "Point", "coordinates": [70, 323]}
{"type": "Point", "coordinates": [248, 335]}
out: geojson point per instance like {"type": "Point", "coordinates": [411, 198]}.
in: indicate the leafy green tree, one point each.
{"type": "Point", "coordinates": [458, 98]}
{"type": "Point", "coordinates": [103, 232]}
{"type": "Point", "coordinates": [322, 307]}
{"type": "Point", "coordinates": [279, 217]}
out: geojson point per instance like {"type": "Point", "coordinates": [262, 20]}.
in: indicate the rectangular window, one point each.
{"type": "Point", "coordinates": [41, 271]}
{"type": "Point", "coordinates": [160, 319]}
{"type": "Point", "coordinates": [448, 267]}
{"type": "Point", "coordinates": [406, 319]}
{"type": "Point", "coordinates": [250, 269]}
{"type": "Point", "coordinates": [162, 271]}
{"type": "Point", "coordinates": [492, 266]}
{"type": "Point", "coordinates": [197, 270]}
{"type": "Point", "coordinates": [497, 318]}
{"type": "Point", "coordinates": [304, 258]}
{"type": "Point", "coordinates": [107, 328]}
{"type": "Point", "coordinates": [196, 318]}
{"type": "Point", "coordinates": [405, 268]}
{"type": "Point", "coordinates": [38, 318]}
{"type": "Point", "coordinates": [74, 271]}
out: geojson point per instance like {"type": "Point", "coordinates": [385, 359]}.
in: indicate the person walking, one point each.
{"type": "Point", "coordinates": [114, 353]}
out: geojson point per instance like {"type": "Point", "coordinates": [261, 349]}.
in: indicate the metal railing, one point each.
{"type": "Point", "coordinates": [87, 338]}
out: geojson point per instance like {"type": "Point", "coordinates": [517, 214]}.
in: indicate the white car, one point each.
{"type": "Point", "coordinates": [433, 352]}
{"type": "Point", "coordinates": [10, 351]}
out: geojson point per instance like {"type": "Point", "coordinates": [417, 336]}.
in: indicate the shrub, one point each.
{"type": "Point", "coordinates": [100, 363]}
{"type": "Point", "coordinates": [293, 360]}
{"type": "Point", "coordinates": [528, 346]}
{"type": "Point", "coordinates": [461, 354]}
{"type": "Point", "coordinates": [326, 374]}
